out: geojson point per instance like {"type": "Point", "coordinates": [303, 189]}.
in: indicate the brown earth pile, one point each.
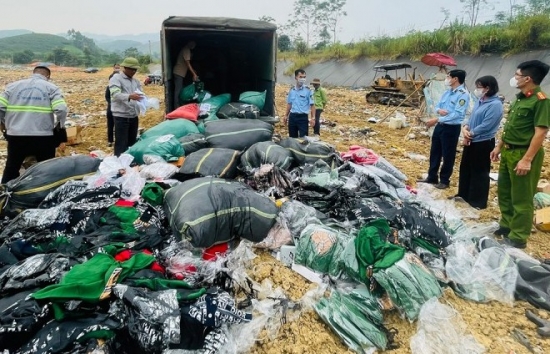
{"type": "Point", "coordinates": [491, 324]}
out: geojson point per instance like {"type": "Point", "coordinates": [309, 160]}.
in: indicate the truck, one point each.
{"type": "Point", "coordinates": [231, 55]}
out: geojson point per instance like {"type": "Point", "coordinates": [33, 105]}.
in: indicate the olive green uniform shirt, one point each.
{"type": "Point", "coordinates": [526, 112]}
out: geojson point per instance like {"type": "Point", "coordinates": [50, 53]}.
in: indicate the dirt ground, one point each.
{"type": "Point", "coordinates": [491, 324]}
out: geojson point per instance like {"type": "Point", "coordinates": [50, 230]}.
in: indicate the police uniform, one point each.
{"type": "Point", "coordinates": [301, 100]}
{"type": "Point", "coordinates": [515, 193]}
{"type": "Point", "coordinates": [446, 133]}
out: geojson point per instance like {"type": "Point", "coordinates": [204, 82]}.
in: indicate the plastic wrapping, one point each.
{"type": "Point", "coordinates": [296, 216]}
{"type": "Point", "coordinates": [489, 275]}
{"type": "Point", "coordinates": [541, 200]}
{"type": "Point", "coordinates": [441, 330]}
{"type": "Point", "coordinates": [319, 248]}
{"type": "Point", "coordinates": [278, 236]}
{"type": "Point", "coordinates": [321, 175]}
{"type": "Point", "coordinates": [409, 285]}
{"type": "Point", "coordinates": [158, 170]}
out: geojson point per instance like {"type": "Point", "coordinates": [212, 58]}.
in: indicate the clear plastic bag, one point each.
{"type": "Point", "coordinates": [441, 330]}
{"type": "Point", "coordinates": [153, 103]}
{"type": "Point", "coordinates": [295, 216]}
{"type": "Point", "coordinates": [158, 170]}
{"type": "Point", "coordinates": [541, 200]}
{"type": "Point", "coordinates": [278, 236]}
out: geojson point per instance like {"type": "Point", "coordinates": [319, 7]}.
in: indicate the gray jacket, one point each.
{"type": "Point", "coordinates": [28, 106]}
{"type": "Point", "coordinates": [121, 86]}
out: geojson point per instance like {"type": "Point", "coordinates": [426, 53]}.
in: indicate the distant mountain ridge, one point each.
{"type": "Point", "coordinates": [145, 43]}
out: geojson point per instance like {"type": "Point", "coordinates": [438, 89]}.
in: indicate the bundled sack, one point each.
{"type": "Point", "coordinates": [237, 134]}
{"type": "Point", "coordinates": [216, 162]}
{"type": "Point", "coordinates": [29, 190]}
{"type": "Point", "coordinates": [211, 106]}
{"type": "Point", "coordinates": [266, 152]}
{"type": "Point", "coordinates": [177, 127]}
{"type": "Point", "coordinates": [307, 152]}
{"type": "Point", "coordinates": [239, 110]}
{"type": "Point", "coordinates": [194, 92]}
{"type": "Point", "coordinates": [207, 211]}
{"type": "Point", "coordinates": [193, 142]}
{"type": "Point", "coordinates": [253, 97]}
{"type": "Point", "coordinates": [189, 111]}
{"type": "Point", "coordinates": [165, 146]}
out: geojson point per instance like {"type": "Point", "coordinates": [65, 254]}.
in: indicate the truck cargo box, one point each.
{"type": "Point", "coordinates": [231, 55]}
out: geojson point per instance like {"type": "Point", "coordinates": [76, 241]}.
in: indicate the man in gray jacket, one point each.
{"type": "Point", "coordinates": [28, 109]}
{"type": "Point", "coordinates": [124, 98]}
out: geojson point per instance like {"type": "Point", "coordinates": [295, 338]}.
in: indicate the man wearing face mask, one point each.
{"type": "Point", "coordinates": [521, 153]}
{"type": "Point", "coordinates": [110, 119]}
{"type": "Point", "coordinates": [479, 140]}
{"type": "Point", "coordinates": [300, 104]}
{"type": "Point", "coordinates": [450, 111]}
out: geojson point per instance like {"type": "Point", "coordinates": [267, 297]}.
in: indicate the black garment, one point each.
{"type": "Point", "coordinates": [297, 125]}
{"type": "Point", "coordinates": [317, 126]}
{"type": "Point", "coordinates": [444, 141]}
{"type": "Point", "coordinates": [126, 130]}
{"type": "Point", "coordinates": [20, 147]}
{"type": "Point", "coordinates": [473, 181]}
{"type": "Point", "coordinates": [110, 118]}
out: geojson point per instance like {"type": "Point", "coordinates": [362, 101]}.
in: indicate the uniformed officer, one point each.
{"type": "Point", "coordinates": [450, 110]}
{"type": "Point", "coordinates": [299, 105]}
{"type": "Point", "coordinates": [521, 153]}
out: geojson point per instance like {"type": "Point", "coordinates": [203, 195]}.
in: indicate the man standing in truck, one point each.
{"type": "Point", "coordinates": [300, 104]}
{"type": "Point", "coordinates": [182, 69]}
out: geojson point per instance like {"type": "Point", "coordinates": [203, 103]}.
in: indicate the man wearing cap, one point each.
{"type": "Point", "coordinates": [28, 109]}
{"type": "Point", "coordinates": [450, 111]}
{"type": "Point", "coordinates": [299, 105]}
{"type": "Point", "coordinates": [320, 98]}
{"type": "Point", "coordinates": [124, 99]}
{"type": "Point", "coordinates": [521, 153]}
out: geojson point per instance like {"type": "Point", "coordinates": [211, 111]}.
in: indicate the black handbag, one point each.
{"type": "Point", "coordinates": [59, 134]}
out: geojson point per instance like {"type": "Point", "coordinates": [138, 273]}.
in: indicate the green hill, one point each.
{"type": "Point", "coordinates": [36, 42]}
{"type": "Point", "coordinates": [118, 45]}
{"type": "Point", "coordinates": [11, 33]}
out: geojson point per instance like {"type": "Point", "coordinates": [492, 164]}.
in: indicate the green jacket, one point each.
{"type": "Point", "coordinates": [320, 98]}
{"type": "Point", "coordinates": [526, 112]}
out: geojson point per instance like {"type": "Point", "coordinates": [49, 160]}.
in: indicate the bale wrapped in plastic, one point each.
{"type": "Point", "coordinates": [237, 134]}
{"type": "Point", "coordinates": [193, 142]}
{"type": "Point", "coordinates": [208, 211]}
{"type": "Point", "coordinates": [215, 162]}
{"type": "Point", "coordinates": [165, 146]}
{"type": "Point", "coordinates": [177, 127]}
{"type": "Point", "coordinates": [266, 152]}
{"type": "Point", "coordinates": [278, 236]}
{"type": "Point", "coordinates": [318, 248]}
{"type": "Point", "coordinates": [541, 200]}
{"type": "Point", "coordinates": [409, 284]}
{"type": "Point", "coordinates": [307, 152]}
{"type": "Point", "coordinates": [363, 156]}
{"type": "Point", "coordinates": [238, 110]}
{"type": "Point", "coordinates": [321, 175]}
{"type": "Point", "coordinates": [354, 320]}
{"type": "Point", "coordinates": [29, 190]}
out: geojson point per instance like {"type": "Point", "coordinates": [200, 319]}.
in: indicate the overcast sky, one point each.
{"type": "Point", "coordinates": [366, 18]}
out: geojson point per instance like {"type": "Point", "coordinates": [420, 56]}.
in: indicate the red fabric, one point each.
{"type": "Point", "coordinates": [360, 155]}
{"type": "Point", "coordinates": [124, 203]}
{"type": "Point", "coordinates": [213, 252]}
{"type": "Point", "coordinates": [124, 255]}
{"type": "Point", "coordinates": [189, 111]}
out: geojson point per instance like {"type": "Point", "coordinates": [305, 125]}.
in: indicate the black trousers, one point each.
{"type": "Point", "coordinates": [20, 147]}
{"type": "Point", "coordinates": [475, 166]}
{"type": "Point", "coordinates": [110, 125]}
{"type": "Point", "coordinates": [444, 141]}
{"type": "Point", "coordinates": [126, 130]}
{"type": "Point", "coordinates": [317, 126]}
{"type": "Point", "coordinates": [297, 125]}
